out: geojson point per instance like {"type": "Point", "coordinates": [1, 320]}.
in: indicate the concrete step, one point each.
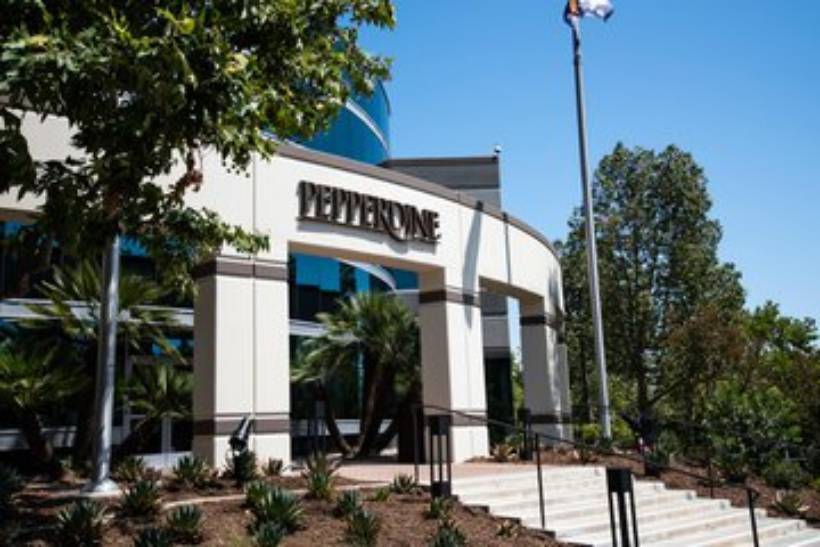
{"type": "Point", "coordinates": [737, 535]}
{"type": "Point", "coordinates": [668, 512]}
{"type": "Point", "coordinates": [808, 537]}
{"type": "Point", "coordinates": [530, 486]}
{"type": "Point", "coordinates": [671, 530]}
{"type": "Point", "coordinates": [529, 477]}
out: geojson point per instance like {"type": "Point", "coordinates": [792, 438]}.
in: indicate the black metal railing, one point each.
{"type": "Point", "coordinates": [539, 439]}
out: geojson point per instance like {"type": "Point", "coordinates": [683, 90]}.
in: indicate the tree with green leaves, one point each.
{"type": "Point", "coordinates": [661, 279]}
{"type": "Point", "coordinates": [378, 330]}
{"type": "Point", "coordinates": [146, 87]}
{"type": "Point", "coordinates": [31, 382]}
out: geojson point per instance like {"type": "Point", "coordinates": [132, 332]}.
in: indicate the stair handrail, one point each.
{"type": "Point", "coordinates": [751, 493]}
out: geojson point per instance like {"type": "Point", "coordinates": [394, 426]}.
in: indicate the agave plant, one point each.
{"type": "Point", "coordinates": [403, 484]}
{"type": "Point", "coordinates": [141, 500]}
{"type": "Point", "coordinates": [448, 535]}
{"type": "Point", "coordinates": [319, 475]}
{"type": "Point", "coordinates": [273, 468]}
{"type": "Point", "coordinates": [153, 537]}
{"type": "Point", "coordinates": [131, 469]}
{"type": "Point", "coordinates": [380, 494]}
{"type": "Point", "coordinates": [440, 508]}
{"type": "Point", "coordinates": [279, 507]}
{"type": "Point", "coordinates": [80, 524]}
{"type": "Point", "coordinates": [790, 504]}
{"type": "Point", "coordinates": [184, 524]}
{"type": "Point", "coordinates": [348, 503]}
{"type": "Point", "coordinates": [362, 529]}
{"type": "Point", "coordinates": [192, 472]}
{"type": "Point", "coordinates": [269, 534]}
{"type": "Point", "coordinates": [255, 491]}
{"type": "Point", "coordinates": [504, 452]}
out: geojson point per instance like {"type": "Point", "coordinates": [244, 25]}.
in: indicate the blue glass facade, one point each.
{"type": "Point", "coordinates": [361, 132]}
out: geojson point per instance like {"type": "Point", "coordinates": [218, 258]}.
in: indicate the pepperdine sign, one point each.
{"type": "Point", "coordinates": [402, 222]}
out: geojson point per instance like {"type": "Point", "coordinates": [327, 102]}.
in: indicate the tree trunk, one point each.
{"type": "Point", "coordinates": [332, 427]}
{"type": "Point", "coordinates": [137, 440]}
{"type": "Point", "coordinates": [380, 390]}
{"type": "Point", "coordinates": [40, 447]}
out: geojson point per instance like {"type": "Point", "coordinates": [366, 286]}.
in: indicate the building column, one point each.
{"type": "Point", "coordinates": [545, 372]}
{"type": "Point", "coordinates": [452, 361]}
{"type": "Point", "coordinates": [241, 357]}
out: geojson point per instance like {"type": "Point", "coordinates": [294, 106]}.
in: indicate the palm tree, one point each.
{"type": "Point", "coordinates": [156, 392]}
{"type": "Point", "coordinates": [29, 383]}
{"type": "Point", "coordinates": [383, 330]}
{"type": "Point", "coordinates": [68, 324]}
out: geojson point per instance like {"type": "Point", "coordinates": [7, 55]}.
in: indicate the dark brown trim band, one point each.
{"type": "Point", "coordinates": [238, 268]}
{"type": "Point", "coordinates": [278, 423]}
{"type": "Point", "coordinates": [548, 319]}
{"type": "Point", "coordinates": [469, 419]}
{"type": "Point", "coordinates": [449, 295]}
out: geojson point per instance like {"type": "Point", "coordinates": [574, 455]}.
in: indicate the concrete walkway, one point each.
{"type": "Point", "coordinates": [385, 471]}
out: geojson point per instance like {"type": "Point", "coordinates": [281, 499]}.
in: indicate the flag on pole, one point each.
{"type": "Point", "coordinates": [582, 8]}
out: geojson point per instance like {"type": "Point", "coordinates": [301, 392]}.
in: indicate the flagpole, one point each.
{"type": "Point", "coordinates": [592, 253]}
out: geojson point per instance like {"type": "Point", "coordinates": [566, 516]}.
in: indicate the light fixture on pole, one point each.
{"type": "Point", "coordinates": [575, 10]}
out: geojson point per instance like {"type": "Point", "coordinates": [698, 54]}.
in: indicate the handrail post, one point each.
{"type": "Point", "coordinates": [750, 496]}
{"type": "Point", "coordinates": [540, 480]}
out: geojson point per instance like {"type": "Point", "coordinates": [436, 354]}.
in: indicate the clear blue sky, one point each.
{"type": "Point", "coordinates": [739, 89]}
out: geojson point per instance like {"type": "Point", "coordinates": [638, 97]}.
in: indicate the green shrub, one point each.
{"type": "Point", "coordinates": [153, 537]}
{"type": "Point", "coordinates": [11, 482]}
{"type": "Point", "coordinates": [80, 524]}
{"type": "Point", "coordinates": [815, 485]}
{"type": "Point", "coordinates": [255, 491]}
{"type": "Point", "coordinates": [184, 524]}
{"type": "Point", "coordinates": [279, 507]}
{"type": "Point", "coordinates": [790, 504]}
{"type": "Point", "coordinates": [269, 534]}
{"type": "Point", "coordinates": [362, 529]}
{"type": "Point", "coordinates": [589, 436]}
{"type": "Point", "coordinates": [242, 467]}
{"type": "Point", "coordinates": [448, 535]}
{"type": "Point", "coordinates": [130, 470]}
{"type": "Point", "coordinates": [381, 494]}
{"type": "Point", "coordinates": [319, 475]}
{"type": "Point", "coordinates": [273, 468]}
{"type": "Point", "coordinates": [140, 500]}
{"type": "Point", "coordinates": [403, 484]}
{"type": "Point", "coordinates": [622, 435]}
{"type": "Point", "coordinates": [349, 502]}
{"type": "Point", "coordinates": [440, 508]}
{"type": "Point", "coordinates": [785, 474]}
{"type": "Point", "coordinates": [192, 472]}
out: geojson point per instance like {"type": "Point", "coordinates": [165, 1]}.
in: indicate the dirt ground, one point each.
{"type": "Point", "coordinates": [403, 521]}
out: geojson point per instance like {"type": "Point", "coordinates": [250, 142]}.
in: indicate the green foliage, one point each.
{"type": "Point", "coordinates": [749, 428]}
{"type": "Point", "coordinates": [230, 76]}
{"type": "Point", "coordinates": [11, 482]}
{"type": "Point", "coordinates": [30, 381]}
{"type": "Point", "coordinates": [349, 502]}
{"type": "Point", "coordinates": [440, 508]}
{"type": "Point", "coordinates": [131, 469]}
{"type": "Point", "coordinates": [589, 437]}
{"type": "Point", "coordinates": [80, 524]}
{"type": "Point", "coordinates": [363, 529]}
{"type": "Point", "coordinates": [383, 329]}
{"type": "Point", "coordinates": [273, 468]}
{"type": "Point", "coordinates": [269, 534]}
{"type": "Point", "coordinates": [785, 474]}
{"type": "Point", "coordinates": [319, 476]}
{"type": "Point", "coordinates": [141, 500]}
{"type": "Point", "coordinates": [404, 484]}
{"type": "Point", "coordinates": [153, 537]}
{"type": "Point", "coordinates": [242, 466]}
{"type": "Point", "coordinates": [279, 507]}
{"type": "Point", "coordinates": [255, 491]}
{"type": "Point", "coordinates": [448, 535]}
{"type": "Point", "coordinates": [380, 495]}
{"type": "Point", "coordinates": [790, 504]}
{"type": "Point", "coordinates": [192, 472]}
{"type": "Point", "coordinates": [184, 524]}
